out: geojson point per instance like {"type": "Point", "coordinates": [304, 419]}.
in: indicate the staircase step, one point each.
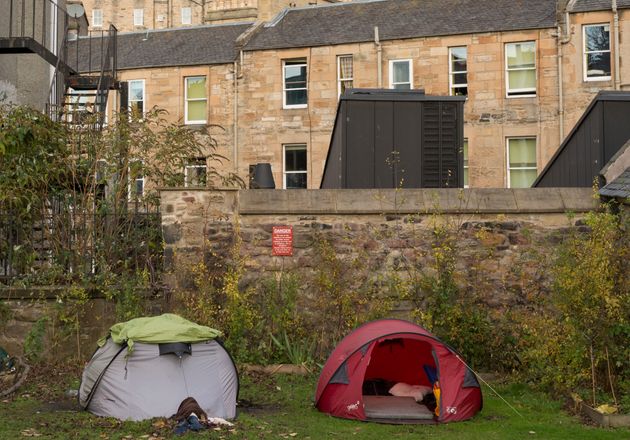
{"type": "Point", "coordinates": [81, 94]}
{"type": "Point", "coordinates": [78, 82]}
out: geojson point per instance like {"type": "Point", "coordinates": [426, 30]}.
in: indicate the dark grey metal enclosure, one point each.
{"type": "Point", "coordinates": [396, 139]}
{"type": "Point", "coordinates": [601, 131]}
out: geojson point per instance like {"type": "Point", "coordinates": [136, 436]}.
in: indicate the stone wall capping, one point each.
{"type": "Point", "coordinates": [416, 201]}
{"type": "Point", "coordinates": [50, 293]}
{"type": "Point", "coordinates": [197, 189]}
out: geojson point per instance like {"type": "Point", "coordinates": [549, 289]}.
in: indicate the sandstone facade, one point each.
{"type": "Point", "coordinates": [164, 88]}
{"type": "Point", "coordinates": [168, 14]}
{"type": "Point", "coordinates": [259, 127]}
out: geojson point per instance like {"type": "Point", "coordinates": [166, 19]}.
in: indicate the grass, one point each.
{"type": "Point", "coordinates": [277, 407]}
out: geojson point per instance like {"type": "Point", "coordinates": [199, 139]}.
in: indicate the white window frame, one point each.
{"type": "Point", "coordinates": [186, 100]}
{"type": "Point", "coordinates": [585, 53]}
{"type": "Point", "coordinates": [507, 156]}
{"type": "Point", "coordinates": [138, 17]}
{"type": "Point", "coordinates": [341, 80]}
{"type": "Point", "coordinates": [465, 159]}
{"type": "Point", "coordinates": [391, 72]}
{"type": "Point", "coordinates": [188, 14]}
{"type": "Point", "coordinates": [284, 83]}
{"type": "Point", "coordinates": [285, 148]}
{"type": "Point", "coordinates": [144, 96]}
{"type": "Point", "coordinates": [132, 183]}
{"type": "Point", "coordinates": [97, 13]}
{"type": "Point", "coordinates": [533, 91]}
{"type": "Point", "coordinates": [451, 72]}
{"type": "Point", "coordinates": [194, 166]}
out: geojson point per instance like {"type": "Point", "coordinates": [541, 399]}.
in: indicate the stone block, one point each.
{"type": "Point", "coordinates": [172, 233]}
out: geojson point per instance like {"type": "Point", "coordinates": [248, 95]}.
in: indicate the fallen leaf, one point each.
{"type": "Point", "coordinates": [159, 423]}
{"type": "Point", "coordinates": [30, 432]}
{"type": "Point", "coordinates": [532, 432]}
{"type": "Point", "coordinates": [293, 434]}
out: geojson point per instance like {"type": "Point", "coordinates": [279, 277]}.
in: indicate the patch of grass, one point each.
{"type": "Point", "coordinates": [276, 407]}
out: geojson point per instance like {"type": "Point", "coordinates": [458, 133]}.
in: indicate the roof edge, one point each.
{"type": "Point", "coordinates": [299, 46]}
{"type": "Point", "coordinates": [602, 95]}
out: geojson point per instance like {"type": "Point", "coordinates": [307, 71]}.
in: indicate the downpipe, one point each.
{"type": "Point", "coordinates": [379, 58]}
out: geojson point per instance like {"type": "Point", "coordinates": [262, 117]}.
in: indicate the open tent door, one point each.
{"type": "Point", "coordinates": [356, 380]}
{"type": "Point", "coordinates": [400, 364]}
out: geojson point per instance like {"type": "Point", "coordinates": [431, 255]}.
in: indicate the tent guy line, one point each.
{"type": "Point", "coordinates": [489, 386]}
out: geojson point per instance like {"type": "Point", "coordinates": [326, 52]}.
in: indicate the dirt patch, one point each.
{"type": "Point", "coordinates": [49, 382]}
{"type": "Point", "coordinates": [257, 409]}
{"type": "Point", "coordinates": [65, 405]}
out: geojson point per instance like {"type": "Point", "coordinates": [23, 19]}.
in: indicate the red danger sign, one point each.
{"type": "Point", "coordinates": [282, 241]}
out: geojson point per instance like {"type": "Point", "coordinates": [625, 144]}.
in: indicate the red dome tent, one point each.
{"type": "Point", "coordinates": [394, 351]}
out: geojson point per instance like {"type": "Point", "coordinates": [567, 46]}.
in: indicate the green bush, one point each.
{"type": "Point", "coordinates": [580, 341]}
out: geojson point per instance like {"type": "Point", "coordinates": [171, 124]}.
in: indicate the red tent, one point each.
{"type": "Point", "coordinates": [393, 351]}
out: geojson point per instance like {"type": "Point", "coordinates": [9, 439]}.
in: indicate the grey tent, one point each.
{"type": "Point", "coordinates": [147, 366]}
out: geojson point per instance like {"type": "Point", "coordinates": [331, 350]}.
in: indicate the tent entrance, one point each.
{"type": "Point", "coordinates": [394, 360]}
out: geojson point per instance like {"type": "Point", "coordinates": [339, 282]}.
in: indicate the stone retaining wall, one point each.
{"type": "Point", "coordinates": [502, 234]}
{"type": "Point", "coordinates": [22, 308]}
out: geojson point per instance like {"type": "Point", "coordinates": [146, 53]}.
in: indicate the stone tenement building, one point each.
{"type": "Point", "coordinates": [134, 15]}
{"type": "Point", "coordinates": [528, 70]}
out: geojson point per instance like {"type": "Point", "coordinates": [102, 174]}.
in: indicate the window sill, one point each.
{"type": "Point", "coordinates": [598, 79]}
{"type": "Point", "coordinates": [292, 107]}
{"type": "Point", "coordinates": [521, 96]}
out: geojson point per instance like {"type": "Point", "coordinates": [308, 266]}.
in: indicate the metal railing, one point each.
{"type": "Point", "coordinates": [107, 74]}
{"type": "Point", "coordinates": [77, 242]}
{"type": "Point", "coordinates": [41, 20]}
{"type": "Point", "coordinates": [58, 81]}
{"type": "Point", "coordinates": [95, 52]}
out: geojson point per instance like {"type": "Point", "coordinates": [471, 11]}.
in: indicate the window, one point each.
{"type": "Point", "coordinates": [136, 97]}
{"type": "Point", "coordinates": [138, 17]}
{"type": "Point", "coordinates": [520, 59]}
{"type": "Point", "coordinates": [344, 73]}
{"type": "Point", "coordinates": [97, 17]}
{"type": "Point", "coordinates": [195, 172]}
{"type": "Point", "coordinates": [466, 179]}
{"type": "Point", "coordinates": [400, 74]}
{"type": "Point", "coordinates": [295, 172]}
{"type": "Point", "coordinates": [294, 85]}
{"type": "Point", "coordinates": [135, 185]}
{"type": "Point", "coordinates": [458, 71]}
{"type": "Point", "coordinates": [521, 154]}
{"type": "Point", "coordinates": [80, 107]}
{"type": "Point", "coordinates": [186, 16]}
{"type": "Point", "coordinates": [596, 52]}
{"type": "Point", "coordinates": [196, 100]}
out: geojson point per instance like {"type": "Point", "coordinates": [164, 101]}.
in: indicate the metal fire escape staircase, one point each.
{"type": "Point", "coordinates": [88, 83]}
{"type": "Point", "coordinates": [85, 67]}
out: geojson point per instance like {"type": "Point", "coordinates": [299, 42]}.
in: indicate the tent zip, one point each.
{"type": "Point", "coordinates": [100, 376]}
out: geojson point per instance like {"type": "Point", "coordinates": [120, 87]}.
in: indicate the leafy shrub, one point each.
{"type": "Point", "coordinates": [345, 291]}
{"type": "Point", "coordinates": [34, 341]}
{"type": "Point", "coordinates": [581, 340]}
